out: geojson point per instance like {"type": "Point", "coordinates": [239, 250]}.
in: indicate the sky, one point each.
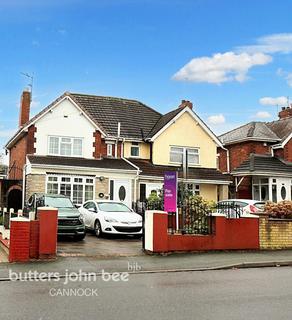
{"type": "Point", "coordinates": [232, 59]}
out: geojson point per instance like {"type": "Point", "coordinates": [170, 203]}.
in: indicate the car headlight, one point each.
{"type": "Point", "coordinates": [81, 219]}
{"type": "Point", "coordinates": [140, 220]}
{"type": "Point", "coordinates": [107, 219]}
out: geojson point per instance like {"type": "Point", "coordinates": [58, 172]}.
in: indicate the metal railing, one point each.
{"type": "Point", "coordinates": [229, 209]}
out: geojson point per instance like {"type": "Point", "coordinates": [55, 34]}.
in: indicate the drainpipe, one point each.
{"type": "Point", "coordinates": [117, 140]}
{"type": "Point", "coordinates": [227, 159]}
{"type": "Point", "coordinates": [23, 184]}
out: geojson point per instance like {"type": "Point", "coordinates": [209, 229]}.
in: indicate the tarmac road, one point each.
{"type": "Point", "coordinates": [264, 293]}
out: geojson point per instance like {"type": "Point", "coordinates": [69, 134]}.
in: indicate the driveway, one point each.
{"type": "Point", "coordinates": [91, 246]}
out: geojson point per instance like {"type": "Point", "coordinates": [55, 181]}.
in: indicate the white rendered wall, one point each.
{"type": "Point", "coordinates": [73, 125]}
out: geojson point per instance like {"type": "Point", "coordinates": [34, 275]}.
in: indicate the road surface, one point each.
{"type": "Point", "coordinates": [231, 294]}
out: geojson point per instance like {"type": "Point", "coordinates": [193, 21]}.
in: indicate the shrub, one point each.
{"type": "Point", "coordinates": [282, 210]}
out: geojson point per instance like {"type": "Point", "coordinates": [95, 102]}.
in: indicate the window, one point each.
{"type": "Point", "coordinates": [65, 146]}
{"type": "Point", "coordinates": [178, 154]}
{"type": "Point", "coordinates": [194, 189]}
{"type": "Point", "coordinates": [109, 150]}
{"type": "Point", "coordinates": [135, 149]}
{"type": "Point", "coordinates": [78, 189]}
{"type": "Point", "coordinates": [261, 189]}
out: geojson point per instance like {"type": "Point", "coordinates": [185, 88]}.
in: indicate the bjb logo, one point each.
{"type": "Point", "coordinates": [134, 266]}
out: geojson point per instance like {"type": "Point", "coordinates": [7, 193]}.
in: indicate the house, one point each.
{"type": "Point", "coordinates": [87, 146]}
{"type": "Point", "coordinates": [259, 156]}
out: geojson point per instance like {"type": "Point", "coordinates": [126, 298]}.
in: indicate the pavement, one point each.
{"type": "Point", "coordinates": [153, 263]}
{"type": "Point", "coordinates": [259, 294]}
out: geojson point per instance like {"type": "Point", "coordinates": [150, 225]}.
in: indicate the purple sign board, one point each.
{"type": "Point", "coordinates": [170, 191]}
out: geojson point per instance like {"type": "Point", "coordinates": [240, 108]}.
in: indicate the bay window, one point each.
{"type": "Point", "coordinates": [78, 189]}
{"type": "Point", "coordinates": [65, 146]}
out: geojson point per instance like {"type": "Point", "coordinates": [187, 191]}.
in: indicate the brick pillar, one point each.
{"type": "Point", "coordinates": [19, 240]}
{"type": "Point", "coordinates": [48, 226]}
{"type": "Point", "coordinates": [156, 235]}
{"type": "Point", "coordinates": [34, 239]}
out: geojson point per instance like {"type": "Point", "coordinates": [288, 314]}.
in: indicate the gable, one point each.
{"type": "Point", "coordinates": [64, 120]}
{"type": "Point", "coordinates": [185, 131]}
{"type": "Point", "coordinates": [196, 119]}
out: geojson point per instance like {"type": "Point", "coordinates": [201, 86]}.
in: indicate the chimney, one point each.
{"type": "Point", "coordinates": [285, 112]}
{"type": "Point", "coordinates": [24, 107]}
{"type": "Point", "coordinates": [186, 103]}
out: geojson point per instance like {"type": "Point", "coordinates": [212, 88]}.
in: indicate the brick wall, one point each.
{"type": "Point", "coordinates": [222, 160]}
{"type": "Point", "coordinates": [275, 233]}
{"type": "Point", "coordinates": [35, 183]}
{"type": "Point", "coordinates": [288, 151]}
{"type": "Point", "coordinates": [100, 147]}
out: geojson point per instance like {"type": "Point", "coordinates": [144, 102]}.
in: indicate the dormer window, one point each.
{"type": "Point", "coordinates": [135, 150]}
{"type": "Point", "coordinates": [65, 146]}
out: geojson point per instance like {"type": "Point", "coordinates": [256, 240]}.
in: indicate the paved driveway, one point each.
{"type": "Point", "coordinates": [91, 246]}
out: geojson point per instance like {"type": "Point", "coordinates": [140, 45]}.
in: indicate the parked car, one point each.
{"type": "Point", "coordinates": [239, 207]}
{"type": "Point", "coordinates": [70, 222]}
{"type": "Point", "coordinates": [111, 217]}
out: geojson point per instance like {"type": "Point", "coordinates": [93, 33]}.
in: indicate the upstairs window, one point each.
{"type": "Point", "coordinates": [65, 146]}
{"type": "Point", "coordinates": [135, 149]}
{"type": "Point", "coordinates": [179, 154]}
{"type": "Point", "coordinates": [109, 148]}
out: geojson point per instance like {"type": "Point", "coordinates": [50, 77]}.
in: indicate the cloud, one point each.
{"type": "Point", "coordinates": [221, 67]}
{"type": "Point", "coordinates": [262, 115]}
{"type": "Point", "coordinates": [269, 101]}
{"type": "Point", "coordinates": [35, 103]}
{"type": "Point", "coordinates": [274, 43]}
{"type": "Point", "coordinates": [286, 75]}
{"type": "Point", "coordinates": [216, 119]}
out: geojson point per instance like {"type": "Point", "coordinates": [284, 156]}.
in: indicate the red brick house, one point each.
{"type": "Point", "coordinates": [259, 156]}
{"type": "Point", "coordinates": [87, 146]}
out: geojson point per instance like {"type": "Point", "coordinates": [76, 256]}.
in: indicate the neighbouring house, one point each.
{"type": "Point", "coordinates": [87, 146]}
{"type": "Point", "coordinates": [259, 156]}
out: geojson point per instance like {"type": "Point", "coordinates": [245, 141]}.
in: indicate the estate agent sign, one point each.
{"type": "Point", "coordinates": [170, 191]}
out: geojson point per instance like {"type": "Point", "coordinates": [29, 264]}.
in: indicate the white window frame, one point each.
{"type": "Point", "coordinates": [135, 146]}
{"type": "Point", "coordinates": [84, 183]}
{"type": "Point", "coordinates": [60, 143]}
{"type": "Point", "coordinates": [196, 188]}
{"type": "Point", "coordinates": [109, 149]}
{"type": "Point", "coordinates": [184, 149]}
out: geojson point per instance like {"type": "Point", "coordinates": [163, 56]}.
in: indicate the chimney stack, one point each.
{"type": "Point", "coordinates": [285, 112]}
{"type": "Point", "coordinates": [186, 103]}
{"type": "Point", "coordinates": [24, 107]}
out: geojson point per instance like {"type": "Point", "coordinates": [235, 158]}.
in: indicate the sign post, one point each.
{"type": "Point", "coordinates": [170, 193]}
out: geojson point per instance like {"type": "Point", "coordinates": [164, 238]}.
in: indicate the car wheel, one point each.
{"type": "Point", "coordinates": [97, 229]}
{"type": "Point", "coordinates": [80, 237]}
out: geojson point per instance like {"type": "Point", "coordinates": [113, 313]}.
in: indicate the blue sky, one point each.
{"type": "Point", "coordinates": [224, 56]}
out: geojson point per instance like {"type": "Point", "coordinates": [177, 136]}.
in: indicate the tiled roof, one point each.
{"type": "Point", "coordinates": [149, 169]}
{"type": "Point", "coordinates": [136, 118]}
{"type": "Point", "coordinates": [282, 127]}
{"type": "Point", "coordinates": [105, 163]}
{"type": "Point", "coordinates": [163, 121]}
{"type": "Point", "coordinates": [264, 163]}
{"type": "Point", "coordinates": [250, 131]}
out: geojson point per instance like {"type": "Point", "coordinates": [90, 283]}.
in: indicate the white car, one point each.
{"type": "Point", "coordinates": [111, 217]}
{"type": "Point", "coordinates": [239, 207]}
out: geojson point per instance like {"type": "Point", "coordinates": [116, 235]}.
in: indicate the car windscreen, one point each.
{"type": "Point", "coordinates": [259, 205]}
{"type": "Point", "coordinates": [56, 202]}
{"type": "Point", "coordinates": [113, 207]}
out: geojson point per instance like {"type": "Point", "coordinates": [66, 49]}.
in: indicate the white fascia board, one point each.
{"type": "Point", "coordinates": [196, 118]}
{"type": "Point", "coordinates": [59, 167]}
{"type": "Point", "coordinates": [261, 173]}
{"type": "Point", "coordinates": [282, 145]}
{"type": "Point", "coordinates": [198, 181]}
{"type": "Point", "coordinates": [59, 102]}
{"type": "Point", "coordinates": [132, 164]}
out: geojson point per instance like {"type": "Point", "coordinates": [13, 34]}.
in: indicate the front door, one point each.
{"type": "Point", "coordinates": [122, 192]}
{"type": "Point", "coordinates": [283, 189]}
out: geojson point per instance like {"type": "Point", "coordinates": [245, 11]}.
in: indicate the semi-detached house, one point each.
{"type": "Point", "coordinates": [87, 146]}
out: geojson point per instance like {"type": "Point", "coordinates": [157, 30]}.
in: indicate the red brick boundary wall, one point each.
{"type": "Point", "coordinates": [36, 239]}
{"type": "Point", "coordinates": [228, 234]}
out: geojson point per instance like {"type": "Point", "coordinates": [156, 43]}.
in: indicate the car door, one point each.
{"type": "Point", "coordinates": [90, 211]}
